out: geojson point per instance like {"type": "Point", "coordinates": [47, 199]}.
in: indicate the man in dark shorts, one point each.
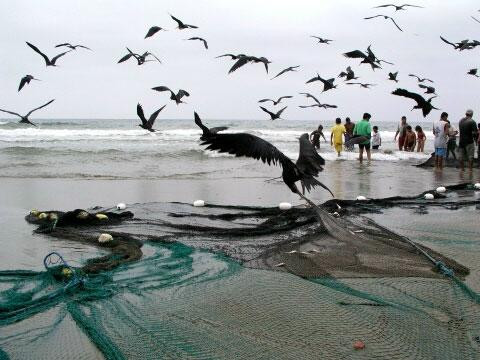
{"type": "Point", "coordinates": [466, 146]}
{"type": "Point", "coordinates": [349, 133]}
{"type": "Point", "coordinates": [402, 131]}
{"type": "Point", "coordinates": [363, 128]}
{"type": "Point", "coordinates": [315, 137]}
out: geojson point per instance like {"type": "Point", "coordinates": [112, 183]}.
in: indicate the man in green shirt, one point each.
{"type": "Point", "coordinates": [363, 128]}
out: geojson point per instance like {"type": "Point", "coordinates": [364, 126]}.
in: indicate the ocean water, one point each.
{"type": "Point", "coordinates": [119, 149]}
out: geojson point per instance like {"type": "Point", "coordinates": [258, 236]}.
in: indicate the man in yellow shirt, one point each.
{"type": "Point", "coordinates": [336, 138]}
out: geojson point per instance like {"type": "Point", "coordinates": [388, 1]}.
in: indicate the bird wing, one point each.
{"type": "Point", "coordinates": [415, 76]}
{"type": "Point", "coordinates": [265, 100]}
{"type": "Point", "coordinates": [162, 88]}
{"type": "Point", "coordinates": [372, 17]}
{"type": "Point", "coordinates": [382, 6]}
{"type": "Point", "coordinates": [34, 48]}
{"type": "Point", "coordinates": [448, 42]}
{"type": "Point", "coordinates": [405, 93]}
{"type": "Point", "coordinates": [152, 31]}
{"type": "Point", "coordinates": [280, 111]}
{"type": "Point", "coordinates": [330, 106]}
{"type": "Point", "coordinates": [125, 58]}
{"type": "Point", "coordinates": [280, 73]}
{"type": "Point", "coordinates": [198, 121]}
{"type": "Point", "coordinates": [180, 23]}
{"type": "Point", "coordinates": [217, 129]}
{"type": "Point", "coordinates": [141, 115]}
{"type": "Point", "coordinates": [311, 96]}
{"type": "Point", "coordinates": [284, 97]}
{"type": "Point", "coordinates": [412, 6]}
{"type": "Point", "coordinates": [243, 144]}
{"type": "Point", "coordinates": [316, 78]}
{"type": "Point", "coordinates": [423, 86]}
{"type": "Point", "coordinates": [83, 47]}
{"type": "Point", "coordinates": [55, 58]}
{"type": "Point", "coordinates": [64, 44]}
{"type": "Point", "coordinates": [240, 62]}
{"type": "Point", "coordinates": [353, 83]}
{"type": "Point", "coordinates": [23, 82]}
{"type": "Point", "coordinates": [11, 112]}
{"type": "Point", "coordinates": [398, 27]}
{"type": "Point", "coordinates": [307, 106]}
{"type": "Point", "coordinates": [231, 55]}
{"type": "Point", "coordinates": [153, 117]}
{"type": "Point", "coordinates": [156, 58]}
{"type": "Point", "coordinates": [181, 93]}
{"type": "Point", "coordinates": [476, 19]}
{"type": "Point", "coordinates": [38, 108]}
{"type": "Point", "coordinates": [205, 43]}
{"type": "Point", "coordinates": [268, 112]}
{"type": "Point", "coordinates": [355, 54]}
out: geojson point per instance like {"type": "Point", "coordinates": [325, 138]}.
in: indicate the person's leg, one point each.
{"type": "Point", "coordinates": [461, 156]}
{"type": "Point", "coordinates": [401, 141]}
{"type": "Point", "coordinates": [360, 154]}
{"type": "Point", "coordinates": [368, 154]}
{"type": "Point", "coordinates": [471, 152]}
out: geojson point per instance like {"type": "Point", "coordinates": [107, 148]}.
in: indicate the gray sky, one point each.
{"type": "Point", "coordinates": [92, 84]}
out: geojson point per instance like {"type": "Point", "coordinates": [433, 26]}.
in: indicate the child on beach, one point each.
{"type": "Point", "coordinates": [410, 139]}
{"type": "Point", "coordinates": [336, 137]}
{"type": "Point", "coordinates": [376, 138]}
{"type": "Point", "coordinates": [421, 138]}
{"type": "Point", "coordinates": [315, 136]}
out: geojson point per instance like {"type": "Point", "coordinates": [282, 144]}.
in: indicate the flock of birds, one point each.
{"type": "Point", "coordinates": [309, 162]}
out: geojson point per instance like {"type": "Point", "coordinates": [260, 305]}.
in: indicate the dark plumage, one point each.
{"type": "Point", "coordinates": [72, 47]}
{"type": "Point", "coordinates": [24, 118]}
{"type": "Point", "coordinates": [182, 25]}
{"type": "Point", "coordinates": [207, 132]}
{"type": "Point", "coordinates": [397, 7]}
{"type": "Point", "coordinates": [153, 30]}
{"type": "Point", "coordinates": [368, 58]}
{"type": "Point", "coordinates": [420, 80]}
{"type": "Point", "coordinates": [473, 72]}
{"type": "Point", "coordinates": [274, 116]}
{"type": "Point", "coordinates": [48, 62]}
{"type": "Point", "coordinates": [279, 100]}
{"type": "Point", "coordinates": [366, 86]}
{"type": "Point", "coordinates": [244, 59]}
{"type": "Point", "coordinates": [321, 40]}
{"type": "Point", "coordinates": [474, 18]}
{"type": "Point", "coordinates": [307, 167]}
{"type": "Point", "coordinates": [462, 45]}
{"type": "Point", "coordinates": [26, 80]}
{"type": "Point", "coordinates": [386, 17]}
{"type": "Point", "coordinates": [141, 59]}
{"type": "Point", "coordinates": [327, 84]}
{"type": "Point", "coordinates": [428, 89]}
{"type": "Point", "coordinates": [393, 76]}
{"type": "Point", "coordinates": [317, 103]}
{"type": "Point", "coordinates": [148, 124]}
{"type": "Point", "coordinates": [200, 39]}
{"type": "Point", "coordinates": [424, 105]}
{"type": "Point", "coordinates": [348, 75]}
{"type": "Point", "coordinates": [232, 56]}
{"type": "Point", "coordinates": [175, 97]}
{"type": "Point", "coordinates": [290, 68]}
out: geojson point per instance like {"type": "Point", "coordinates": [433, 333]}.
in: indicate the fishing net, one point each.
{"type": "Point", "coordinates": [249, 282]}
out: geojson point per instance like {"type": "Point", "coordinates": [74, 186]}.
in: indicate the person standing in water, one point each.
{"type": "Point", "coordinates": [421, 138]}
{"type": "Point", "coordinates": [363, 128]}
{"type": "Point", "coordinates": [402, 131]}
{"type": "Point", "coordinates": [336, 137]}
{"type": "Point", "coordinates": [410, 140]}
{"type": "Point", "coordinates": [315, 137]}
{"type": "Point", "coordinates": [452, 140]}
{"type": "Point", "coordinates": [466, 144]}
{"type": "Point", "coordinates": [349, 132]}
{"type": "Point", "coordinates": [376, 138]}
{"type": "Point", "coordinates": [440, 130]}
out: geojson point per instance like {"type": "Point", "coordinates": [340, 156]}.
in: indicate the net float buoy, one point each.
{"type": "Point", "coordinates": [52, 216]}
{"type": "Point", "coordinates": [429, 196]}
{"type": "Point", "coordinates": [361, 198]}
{"type": "Point", "coordinates": [42, 216]}
{"type": "Point", "coordinates": [101, 216]}
{"type": "Point", "coordinates": [121, 206]}
{"type": "Point", "coordinates": [359, 345]}
{"type": "Point", "coordinates": [67, 272]}
{"type": "Point", "coordinates": [199, 203]}
{"type": "Point", "coordinates": [82, 215]}
{"type": "Point", "coordinates": [441, 189]}
{"type": "Point", "coordinates": [477, 186]}
{"type": "Point", "coordinates": [104, 238]}
{"type": "Point", "coordinates": [284, 206]}
{"type": "Point", "coordinates": [34, 212]}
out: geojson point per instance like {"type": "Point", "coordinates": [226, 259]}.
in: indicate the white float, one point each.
{"type": "Point", "coordinates": [441, 189]}
{"type": "Point", "coordinates": [429, 196]}
{"type": "Point", "coordinates": [121, 206]}
{"type": "Point", "coordinates": [101, 216]}
{"type": "Point", "coordinates": [477, 186]}
{"type": "Point", "coordinates": [104, 238]}
{"type": "Point", "coordinates": [361, 198]}
{"type": "Point", "coordinates": [199, 203]}
{"type": "Point", "coordinates": [284, 206]}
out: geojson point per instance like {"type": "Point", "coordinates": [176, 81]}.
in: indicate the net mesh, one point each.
{"type": "Point", "coordinates": [182, 301]}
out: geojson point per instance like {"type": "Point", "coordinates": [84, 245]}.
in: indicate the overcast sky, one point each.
{"type": "Point", "coordinates": [92, 84]}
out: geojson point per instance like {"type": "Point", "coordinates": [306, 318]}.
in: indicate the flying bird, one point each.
{"type": "Point", "coordinates": [26, 80]}
{"type": "Point", "coordinates": [366, 86]}
{"type": "Point", "coordinates": [207, 132]}
{"type": "Point", "coordinates": [48, 62]}
{"type": "Point", "coordinates": [473, 72]}
{"type": "Point", "coordinates": [327, 84]}
{"type": "Point", "coordinates": [308, 95]}
{"type": "Point", "coordinates": [181, 25]}
{"type": "Point", "coordinates": [386, 17]}
{"type": "Point", "coordinates": [175, 97]}
{"type": "Point", "coordinates": [397, 7]}
{"type": "Point", "coordinates": [290, 68]}
{"type": "Point", "coordinates": [141, 59]}
{"type": "Point", "coordinates": [424, 105]}
{"type": "Point", "coordinates": [199, 38]}
{"type": "Point", "coordinates": [393, 76]}
{"type": "Point", "coordinates": [348, 75]}
{"type": "Point", "coordinates": [279, 100]}
{"type": "Point", "coordinates": [274, 116]}
{"type": "Point", "coordinates": [153, 30]}
{"type": "Point", "coordinates": [148, 124]}
{"type": "Point", "coordinates": [420, 80]}
{"type": "Point", "coordinates": [244, 59]}
{"type": "Point", "coordinates": [24, 118]}
{"type": "Point", "coordinates": [476, 19]}
{"type": "Point", "coordinates": [462, 45]}
{"type": "Point", "coordinates": [306, 168]}
{"type": "Point", "coordinates": [368, 58]}
{"type": "Point", "coordinates": [428, 89]}
{"type": "Point", "coordinates": [72, 47]}
{"type": "Point", "coordinates": [321, 40]}
{"type": "Point", "coordinates": [232, 56]}
{"type": "Point", "coordinates": [325, 106]}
